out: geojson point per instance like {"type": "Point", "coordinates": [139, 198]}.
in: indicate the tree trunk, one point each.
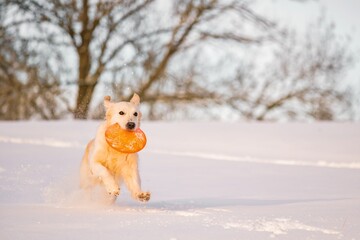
{"type": "Point", "coordinates": [84, 97]}
{"type": "Point", "coordinates": [86, 89]}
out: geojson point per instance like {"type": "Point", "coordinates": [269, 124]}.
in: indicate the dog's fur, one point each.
{"type": "Point", "coordinates": [101, 164]}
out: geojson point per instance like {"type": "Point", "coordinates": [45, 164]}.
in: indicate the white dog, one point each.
{"type": "Point", "coordinates": [101, 164]}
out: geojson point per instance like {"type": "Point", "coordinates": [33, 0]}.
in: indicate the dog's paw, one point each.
{"type": "Point", "coordinates": [115, 191]}
{"type": "Point", "coordinates": [144, 196]}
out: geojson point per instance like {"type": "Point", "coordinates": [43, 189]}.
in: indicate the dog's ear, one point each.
{"type": "Point", "coordinates": [107, 102]}
{"type": "Point", "coordinates": [135, 99]}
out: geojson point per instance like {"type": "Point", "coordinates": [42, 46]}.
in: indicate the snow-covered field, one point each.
{"type": "Point", "coordinates": [208, 181]}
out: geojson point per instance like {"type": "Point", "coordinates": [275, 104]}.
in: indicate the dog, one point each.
{"type": "Point", "coordinates": [101, 164]}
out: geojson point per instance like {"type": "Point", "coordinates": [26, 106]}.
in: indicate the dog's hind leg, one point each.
{"type": "Point", "coordinates": [87, 179]}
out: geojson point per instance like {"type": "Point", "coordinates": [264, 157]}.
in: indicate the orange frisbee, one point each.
{"type": "Point", "coordinates": [123, 140]}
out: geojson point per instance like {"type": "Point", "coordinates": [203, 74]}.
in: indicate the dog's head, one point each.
{"type": "Point", "coordinates": [126, 114]}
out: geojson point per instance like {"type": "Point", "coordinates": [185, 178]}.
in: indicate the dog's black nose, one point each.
{"type": "Point", "coordinates": [130, 125]}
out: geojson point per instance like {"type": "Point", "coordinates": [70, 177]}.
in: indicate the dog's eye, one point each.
{"type": "Point", "coordinates": [121, 113]}
{"type": "Point", "coordinates": [135, 114]}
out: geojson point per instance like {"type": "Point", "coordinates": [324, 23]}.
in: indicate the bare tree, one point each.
{"type": "Point", "coordinates": [178, 53]}
{"type": "Point", "coordinates": [302, 81]}
{"type": "Point", "coordinates": [25, 91]}
{"type": "Point", "coordinates": [98, 31]}
{"type": "Point", "coordinates": [113, 36]}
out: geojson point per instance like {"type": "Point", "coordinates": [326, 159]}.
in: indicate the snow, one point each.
{"type": "Point", "coordinates": [208, 181]}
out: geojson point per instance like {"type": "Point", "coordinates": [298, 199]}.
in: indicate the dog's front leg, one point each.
{"type": "Point", "coordinates": [130, 174]}
{"type": "Point", "coordinates": [108, 180]}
